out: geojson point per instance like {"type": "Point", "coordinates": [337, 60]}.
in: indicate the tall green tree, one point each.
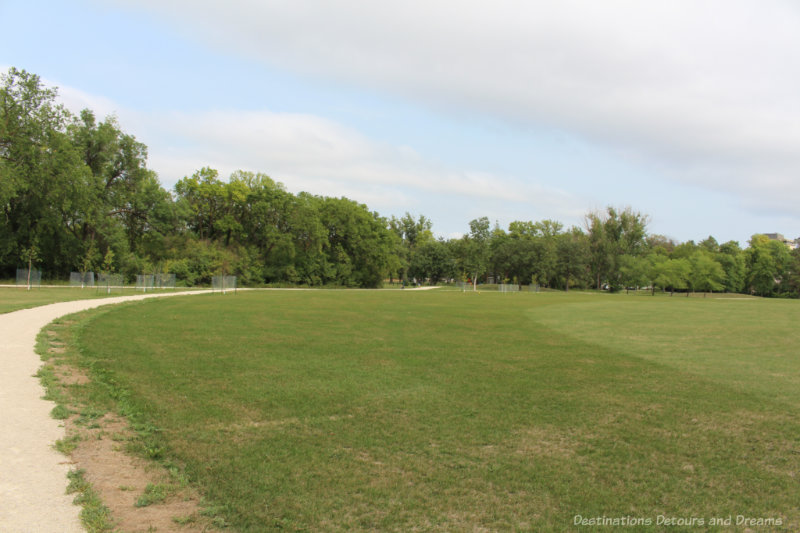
{"type": "Point", "coordinates": [633, 271]}
{"type": "Point", "coordinates": [612, 234]}
{"type": "Point", "coordinates": [36, 164]}
{"type": "Point", "coordinates": [732, 260]}
{"type": "Point", "coordinates": [766, 262]}
{"type": "Point", "coordinates": [705, 274]}
{"type": "Point", "coordinates": [203, 194]}
{"type": "Point", "coordinates": [572, 251]}
{"type": "Point", "coordinates": [411, 233]}
{"type": "Point", "coordinates": [432, 260]}
{"type": "Point", "coordinates": [792, 278]}
{"type": "Point", "coordinates": [669, 274]}
{"type": "Point", "coordinates": [359, 244]}
{"type": "Point", "coordinates": [475, 249]}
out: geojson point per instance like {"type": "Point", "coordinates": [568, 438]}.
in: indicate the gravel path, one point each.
{"type": "Point", "coordinates": [33, 475]}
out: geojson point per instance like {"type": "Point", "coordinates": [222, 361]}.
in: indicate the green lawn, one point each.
{"type": "Point", "coordinates": [400, 410]}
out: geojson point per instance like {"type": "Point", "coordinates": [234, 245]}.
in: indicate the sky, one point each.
{"type": "Point", "coordinates": [686, 111]}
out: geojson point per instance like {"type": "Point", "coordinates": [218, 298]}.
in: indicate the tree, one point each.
{"type": "Point", "coordinates": [633, 271]}
{"type": "Point", "coordinates": [705, 274]}
{"type": "Point", "coordinates": [732, 260]}
{"type": "Point", "coordinates": [411, 234]}
{"type": "Point", "coordinates": [29, 116]}
{"type": "Point", "coordinates": [72, 184]}
{"type": "Point", "coordinates": [36, 163]}
{"type": "Point", "coordinates": [792, 278]}
{"type": "Point", "coordinates": [513, 253]}
{"type": "Point", "coordinates": [669, 274]}
{"type": "Point", "coordinates": [684, 250]}
{"type": "Point", "coordinates": [710, 245]}
{"type": "Point", "coordinates": [360, 244]}
{"type": "Point", "coordinates": [766, 262]}
{"type": "Point", "coordinates": [545, 251]}
{"type": "Point", "coordinates": [108, 261]}
{"type": "Point", "coordinates": [475, 257]}
{"type": "Point", "coordinates": [203, 194]}
{"type": "Point", "coordinates": [572, 252]}
{"type": "Point", "coordinates": [30, 255]}
{"type": "Point", "coordinates": [660, 244]}
{"type": "Point", "coordinates": [431, 261]}
{"type": "Point", "coordinates": [611, 235]}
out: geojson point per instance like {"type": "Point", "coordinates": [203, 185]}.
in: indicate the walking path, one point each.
{"type": "Point", "coordinates": [33, 476]}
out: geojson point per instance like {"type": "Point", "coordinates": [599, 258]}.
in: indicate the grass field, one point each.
{"type": "Point", "coordinates": [399, 410]}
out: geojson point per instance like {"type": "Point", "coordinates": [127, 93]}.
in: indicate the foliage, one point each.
{"type": "Point", "coordinates": [633, 271]}
{"type": "Point", "coordinates": [706, 274]}
{"type": "Point", "coordinates": [613, 234]}
{"type": "Point", "coordinates": [767, 263]}
{"type": "Point", "coordinates": [413, 256]}
{"type": "Point", "coordinates": [76, 194]}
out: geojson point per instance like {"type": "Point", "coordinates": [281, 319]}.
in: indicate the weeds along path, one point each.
{"type": "Point", "coordinates": [33, 476]}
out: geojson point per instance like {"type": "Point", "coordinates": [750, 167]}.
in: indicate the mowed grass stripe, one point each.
{"type": "Point", "coordinates": [751, 344]}
{"type": "Point", "coordinates": [394, 411]}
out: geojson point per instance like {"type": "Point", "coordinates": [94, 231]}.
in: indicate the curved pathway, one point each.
{"type": "Point", "coordinates": [33, 475]}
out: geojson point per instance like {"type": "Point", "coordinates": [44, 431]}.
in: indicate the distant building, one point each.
{"type": "Point", "coordinates": [791, 244]}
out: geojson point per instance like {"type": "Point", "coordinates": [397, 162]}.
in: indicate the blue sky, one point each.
{"type": "Point", "coordinates": [686, 111]}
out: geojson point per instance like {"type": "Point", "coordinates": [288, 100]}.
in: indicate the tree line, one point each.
{"type": "Point", "coordinates": [76, 195]}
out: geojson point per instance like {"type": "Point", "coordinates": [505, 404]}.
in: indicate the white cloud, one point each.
{"type": "Point", "coordinates": [76, 100]}
{"type": "Point", "coordinates": [706, 89]}
{"type": "Point", "coordinates": [315, 154]}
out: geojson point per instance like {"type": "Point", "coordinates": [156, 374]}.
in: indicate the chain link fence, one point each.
{"type": "Point", "coordinates": [29, 278]}
{"type": "Point", "coordinates": [164, 281]}
{"type": "Point", "coordinates": [81, 279]}
{"type": "Point", "coordinates": [223, 283]}
{"type": "Point", "coordinates": [508, 287]}
{"type": "Point", "coordinates": [109, 283]}
{"type": "Point", "coordinates": [144, 282]}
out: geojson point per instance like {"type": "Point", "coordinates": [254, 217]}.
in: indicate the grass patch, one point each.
{"type": "Point", "coordinates": [68, 444]}
{"type": "Point", "coordinates": [154, 493]}
{"type": "Point", "coordinates": [94, 516]}
{"type": "Point", "coordinates": [60, 412]}
{"type": "Point", "coordinates": [53, 390]}
{"type": "Point", "coordinates": [184, 520]}
{"type": "Point", "coordinates": [399, 410]}
{"type": "Point", "coordinates": [89, 416]}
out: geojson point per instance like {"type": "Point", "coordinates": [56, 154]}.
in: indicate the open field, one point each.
{"type": "Point", "coordinates": [400, 410]}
